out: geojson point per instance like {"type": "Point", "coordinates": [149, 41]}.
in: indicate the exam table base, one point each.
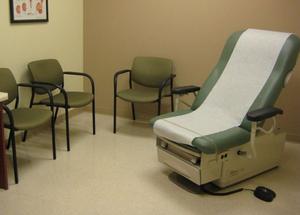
{"type": "Point", "coordinates": [225, 168]}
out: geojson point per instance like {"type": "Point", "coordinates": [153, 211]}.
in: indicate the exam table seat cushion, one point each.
{"type": "Point", "coordinates": [217, 142]}
{"type": "Point", "coordinates": [170, 114]}
{"type": "Point", "coordinates": [238, 135]}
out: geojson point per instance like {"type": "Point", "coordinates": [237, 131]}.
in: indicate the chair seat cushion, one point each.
{"type": "Point", "coordinates": [26, 118]}
{"type": "Point", "coordinates": [75, 99]}
{"type": "Point", "coordinates": [139, 95]}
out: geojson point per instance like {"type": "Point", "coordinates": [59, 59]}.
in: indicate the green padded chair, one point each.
{"type": "Point", "coordinates": [20, 119]}
{"type": "Point", "coordinates": [49, 73]}
{"type": "Point", "coordinates": [154, 74]}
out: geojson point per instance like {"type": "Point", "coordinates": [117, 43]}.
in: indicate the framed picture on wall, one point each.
{"type": "Point", "coordinates": [28, 11]}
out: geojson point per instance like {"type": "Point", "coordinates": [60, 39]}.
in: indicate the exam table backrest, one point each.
{"type": "Point", "coordinates": [269, 94]}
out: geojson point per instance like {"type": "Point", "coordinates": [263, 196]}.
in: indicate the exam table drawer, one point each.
{"type": "Point", "coordinates": [179, 165]}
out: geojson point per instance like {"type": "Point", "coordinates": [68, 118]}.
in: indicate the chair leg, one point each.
{"type": "Point", "coordinates": [24, 136]}
{"type": "Point", "coordinates": [9, 140]}
{"type": "Point", "coordinates": [115, 114]}
{"type": "Point", "coordinates": [94, 117]}
{"type": "Point", "coordinates": [172, 103]}
{"type": "Point", "coordinates": [30, 106]}
{"type": "Point", "coordinates": [56, 112]}
{"type": "Point", "coordinates": [67, 129]}
{"type": "Point", "coordinates": [133, 110]}
{"type": "Point", "coordinates": [53, 137]}
{"type": "Point", "coordinates": [159, 104]}
{"type": "Point", "coordinates": [15, 163]}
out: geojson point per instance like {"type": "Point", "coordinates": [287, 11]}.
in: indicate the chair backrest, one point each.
{"type": "Point", "coordinates": [48, 70]}
{"type": "Point", "coordinates": [271, 90]}
{"type": "Point", "coordinates": [151, 71]}
{"type": "Point", "coordinates": [8, 84]}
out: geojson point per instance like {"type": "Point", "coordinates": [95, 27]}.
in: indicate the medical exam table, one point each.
{"type": "Point", "coordinates": [221, 138]}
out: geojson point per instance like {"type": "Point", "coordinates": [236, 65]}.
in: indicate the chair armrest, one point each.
{"type": "Point", "coordinates": [116, 75]}
{"type": "Point", "coordinates": [263, 114]}
{"type": "Point", "coordinates": [185, 89]}
{"type": "Point", "coordinates": [122, 72]}
{"type": "Point", "coordinates": [164, 83]}
{"type": "Point", "coordinates": [35, 86]}
{"type": "Point", "coordinates": [62, 90]}
{"type": "Point", "coordinates": [84, 75]}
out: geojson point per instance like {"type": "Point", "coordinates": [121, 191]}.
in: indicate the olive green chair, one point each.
{"type": "Point", "coordinates": [49, 73]}
{"type": "Point", "coordinates": [154, 74]}
{"type": "Point", "coordinates": [20, 119]}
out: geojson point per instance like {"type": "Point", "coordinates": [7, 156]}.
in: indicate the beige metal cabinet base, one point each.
{"type": "Point", "coordinates": [226, 168]}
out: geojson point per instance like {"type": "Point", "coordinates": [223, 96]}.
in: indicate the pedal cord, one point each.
{"type": "Point", "coordinates": [205, 190]}
{"type": "Point", "coordinates": [262, 193]}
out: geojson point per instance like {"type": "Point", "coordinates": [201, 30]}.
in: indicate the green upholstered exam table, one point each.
{"type": "Point", "coordinates": [221, 139]}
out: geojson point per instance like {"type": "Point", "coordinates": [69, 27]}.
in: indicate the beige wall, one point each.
{"type": "Point", "coordinates": [61, 38]}
{"type": "Point", "coordinates": [192, 33]}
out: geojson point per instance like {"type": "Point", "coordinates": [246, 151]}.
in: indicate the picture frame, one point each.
{"type": "Point", "coordinates": [22, 11]}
